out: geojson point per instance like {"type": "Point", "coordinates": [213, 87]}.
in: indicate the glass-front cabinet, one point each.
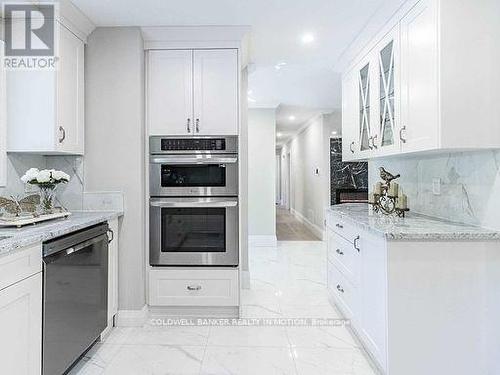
{"type": "Point", "coordinates": [386, 138]}
{"type": "Point", "coordinates": [374, 88]}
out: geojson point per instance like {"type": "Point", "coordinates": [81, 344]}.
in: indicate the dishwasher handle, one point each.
{"type": "Point", "coordinates": [49, 258]}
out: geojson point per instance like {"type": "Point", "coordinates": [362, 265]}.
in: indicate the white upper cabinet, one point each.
{"type": "Point", "coordinates": [349, 116]}
{"type": "Point", "coordinates": [45, 108]}
{"type": "Point", "coordinates": [426, 83]}
{"type": "Point", "coordinates": [386, 108]}
{"type": "Point", "coordinates": [170, 97]}
{"type": "Point", "coordinates": [419, 78]}
{"type": "Point", "coordinates": [193, 92]}
{"type": "Point", "coordinates": [3, 122]}
{"type": "Point", "coordinates": [216, 92]}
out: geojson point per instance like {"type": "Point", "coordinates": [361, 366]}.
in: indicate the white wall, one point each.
{"type": "Point", "coordinates": [261, 174]}
{"type": "Point", "coordinates": [309, 151]}
{"type": "Point", "coordinates": [114, 143]}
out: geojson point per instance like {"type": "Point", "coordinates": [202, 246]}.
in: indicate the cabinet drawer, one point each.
{"type": "Point", "coordinates": [193, 287]}
{"type": "Point", "coordinates": [344, 293]}
{"type": "Point", "coordinates": [343, 254]}
{"type": "Point", "coordinates": [343, 229]}
{"type": "Point", "coordinates": [20, 265]}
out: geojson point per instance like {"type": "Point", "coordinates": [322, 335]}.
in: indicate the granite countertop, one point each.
{"type": "Point", "coordinates": [30, 234]}
{"type": "Point", "coordinates": [412, 227]}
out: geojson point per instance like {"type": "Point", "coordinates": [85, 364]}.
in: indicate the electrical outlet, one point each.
{"type": "Point", "coordinates": [436, 186]}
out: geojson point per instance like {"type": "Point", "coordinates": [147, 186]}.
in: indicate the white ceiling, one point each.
{"type": "Point", "coordinates": [306, 79]}
{"type": "Point", "coordinates": [287, 126]}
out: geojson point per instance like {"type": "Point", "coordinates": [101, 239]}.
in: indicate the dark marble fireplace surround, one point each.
{"type": "Point", "coordinates": [347, 179]}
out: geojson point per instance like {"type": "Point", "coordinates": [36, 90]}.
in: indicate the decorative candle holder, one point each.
{"type": "Point", "coordinates": [387, 197]}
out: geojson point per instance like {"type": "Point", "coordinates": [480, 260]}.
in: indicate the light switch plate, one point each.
{"type": "Point", "coordinates": [436, 186]}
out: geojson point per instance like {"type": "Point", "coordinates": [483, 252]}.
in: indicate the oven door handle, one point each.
{"type": "Point", "coordinates": [181, 204]}
{"type": "Point", "coordinates": [191, 160]}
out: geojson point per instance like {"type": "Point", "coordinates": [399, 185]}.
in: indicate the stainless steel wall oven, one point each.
{"type": "Point", "coordinates": [194, 201]}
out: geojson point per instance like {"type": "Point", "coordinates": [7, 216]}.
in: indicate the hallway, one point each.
{"type": "Point", "coordinates": [288, 228]}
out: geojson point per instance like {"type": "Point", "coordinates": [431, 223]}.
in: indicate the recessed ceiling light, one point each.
{"type": "Point", "coordinates": [307, 38]}
{"type": "Point", "coordinates": [334, 132]}
{"type": "Point", "coordinates": [278, 134]}
{"type": "Point", "coordinates": [291, 118]}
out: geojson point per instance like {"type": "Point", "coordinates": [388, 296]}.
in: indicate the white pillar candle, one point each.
{"type": "Point", "coordinates": [393, 189]}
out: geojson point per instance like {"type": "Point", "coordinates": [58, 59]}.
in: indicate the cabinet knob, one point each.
{"type": "Point", "coordinates": [63, 134]}
{"type": "Point", "coordinates": [189, 125]}
{"type": "Point", "coordinates": [401, 134]}
{"type": "Point", "coordinates": [340, 289]}
{"type": "Point", "coordinates": [340, 252]}
{"type": "Point", "coordinates": [197, 125]}
{"type": "Point", "coordinates": [351, 147]}
{"type": "Point", "coordinates": [193, 287]}
{"type": "Point", "coordinates": [111, 235]}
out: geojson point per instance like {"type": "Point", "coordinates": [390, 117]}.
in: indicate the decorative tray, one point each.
{"type": "Point", "coordinates": [21, 221]}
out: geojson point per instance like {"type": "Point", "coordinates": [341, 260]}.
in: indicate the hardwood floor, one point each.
{"type": "Point", "coordinates": [288, 228]}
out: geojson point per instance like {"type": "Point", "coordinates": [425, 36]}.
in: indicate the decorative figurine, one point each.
{"type": "Point", "coordinates": [16, 206]}
{"type": "Point", "coordinates": [387, 196]}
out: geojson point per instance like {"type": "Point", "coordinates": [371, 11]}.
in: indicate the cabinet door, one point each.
{"type": "Point", "coordinates": [365, 96]}
{"type": "Point", "coordinates": [419, 78]}
{"type": "Point", "coordinates": [170, 92]}
{"type": "Point", "coordinates": [374, 296]}
{"type": "Point", "coordinates": [386, 106]}
{"type": "Point", "coordinates": [113, 271]}
{"type": "Point", "coordinates": [350, 116]}
{"type": "Point", "coordinates": [21, 327]}
{"type": "Point", "coordinates": [70, 93]}
{"type": "Point", "coordinates": [3, 121]}
{"type": "Point", "coordinates": [216, 92]}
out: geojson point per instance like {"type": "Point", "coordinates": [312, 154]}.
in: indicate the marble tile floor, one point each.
{"type": "Point", "coordinates": [288, 228]}
{"type": "Point", "coordinates": [288, 281]}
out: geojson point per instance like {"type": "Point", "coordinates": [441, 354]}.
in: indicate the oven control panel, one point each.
{"type": "Point", "coordinates": [182, 144]}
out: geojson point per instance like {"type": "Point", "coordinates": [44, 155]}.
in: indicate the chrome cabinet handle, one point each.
{"type": "Point", "coordinates": [401, 134]}
{"type": "Point", "coordinates": [339, 225]}
{"type": "Point", "coordinates": [340, 289]}
{"type": "Point", "coordinates": [193, 287]}
{"type": "Point", "coordinates": [356, 244]}
{"type": "Point", "coordinates": [188, 125]}
{"type": "Point", "coordinates": [110, 231]}
{"type": "Point", "coordinates": [369, 142]}
{"type": "Point", "coordinates": [340, 252]}
{"type": "Point", "coordinates": [373, 141]}
{"type": "Point", "coordinates": [63, 134]}
{"type": "Point", "coordinates": [197, 125]}
{"type": "Point", "coordinates": [351, 147]}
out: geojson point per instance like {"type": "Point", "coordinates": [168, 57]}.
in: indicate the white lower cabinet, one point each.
{"type": "Point", "coordinates": [21, 325]}
{"type": "Point", "coordinates": [357, 283]}
{"type": "Point", "coordinates": [426, 306]}
{"type": "Point", "coordinates": [193, 287]}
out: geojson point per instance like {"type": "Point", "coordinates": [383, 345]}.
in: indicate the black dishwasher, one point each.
{"type": "Point", "coordinates": [75, 296]}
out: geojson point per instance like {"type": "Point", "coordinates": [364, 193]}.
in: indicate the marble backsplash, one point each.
{"type": "Point", "coordinates": [69, 195]}
{"type": "Point", "coordinates": [470, 185]}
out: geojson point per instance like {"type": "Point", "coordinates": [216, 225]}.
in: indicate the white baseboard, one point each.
{"type": "Point", "coordinates": [262, 241]}
{"type": "Point", "coordinates": [311, 226]}
{"type": "Point", "coordinates": [245, 279]}
{"type": "Point", "coordinates": [132, 318]}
